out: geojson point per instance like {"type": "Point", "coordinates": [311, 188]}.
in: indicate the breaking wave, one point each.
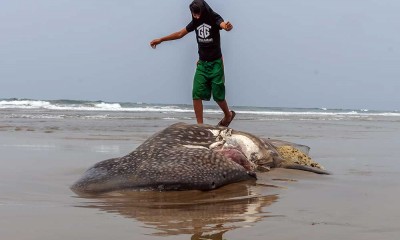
{"type": "Point", "coordinates": [101, 106]}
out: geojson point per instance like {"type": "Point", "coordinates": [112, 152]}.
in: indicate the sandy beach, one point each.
{"type": "Point", "coordinates": [42, 156]}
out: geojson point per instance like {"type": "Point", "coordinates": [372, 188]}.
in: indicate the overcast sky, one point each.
{"type": "Point", "coordinates": [281, 53]}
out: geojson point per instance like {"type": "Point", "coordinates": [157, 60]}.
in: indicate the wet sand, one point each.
{"type": "Point", "coordinates": [42, 157]}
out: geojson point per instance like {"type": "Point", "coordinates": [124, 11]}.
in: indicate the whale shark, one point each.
{"type": "Point", "coordinates": [194, 157]}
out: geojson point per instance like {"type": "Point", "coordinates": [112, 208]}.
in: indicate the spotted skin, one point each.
{"type": "Point", "coordinates": [177, 158]}
{"type": "Point", "coordinates": [187, 157]}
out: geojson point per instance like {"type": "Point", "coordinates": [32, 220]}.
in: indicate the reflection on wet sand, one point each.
{"type": "Point", "coordinates": [204, 215]}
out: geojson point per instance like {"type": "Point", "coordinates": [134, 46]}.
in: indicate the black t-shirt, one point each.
{"type": "Point", "coordinates": [207, 33]}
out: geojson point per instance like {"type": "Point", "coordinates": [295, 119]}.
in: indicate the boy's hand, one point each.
{"type": "Point", "coordinates": [155, 42]}
{"type": "Point", "coordinates": [227, 26]}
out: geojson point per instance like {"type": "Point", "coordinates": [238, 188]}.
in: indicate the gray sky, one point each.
{"type": "Point", "coordinates": [281, 53]}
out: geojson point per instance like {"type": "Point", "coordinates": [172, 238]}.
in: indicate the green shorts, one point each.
{"type": "Point", "coordinates": [209, 78]}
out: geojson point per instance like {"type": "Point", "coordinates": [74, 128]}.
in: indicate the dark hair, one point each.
{"type": "Point", "coordinates": [195, 8]}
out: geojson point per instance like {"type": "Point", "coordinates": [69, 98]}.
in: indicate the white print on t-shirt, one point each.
{"type": "Point", "coordinates": [203, 30]}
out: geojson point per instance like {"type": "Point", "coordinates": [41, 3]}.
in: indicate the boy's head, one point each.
{"type": "Point", "coordinates": [195, 9]}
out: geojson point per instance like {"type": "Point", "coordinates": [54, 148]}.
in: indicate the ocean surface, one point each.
{"type": "Point", "coordinates": [46, 145]}
{"type": "Point", "coordinates": [99, 109]}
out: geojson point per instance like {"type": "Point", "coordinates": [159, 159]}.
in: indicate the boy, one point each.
{"type": "Point", "coordinates": [209, 77]}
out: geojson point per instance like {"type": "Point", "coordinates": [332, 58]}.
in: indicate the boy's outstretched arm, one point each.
{"type": "Point", "coordinates": [176, 35]}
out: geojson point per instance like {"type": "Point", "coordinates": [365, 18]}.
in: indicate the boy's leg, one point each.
{"type": "Point", "coordinates": [218, 90]}
{"type": "Point", "coordinates": [198, 110]}
{"type": "Point", "coordinates": [228, 114]}
{"type": "Point", "coordinates": [201, 90]}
